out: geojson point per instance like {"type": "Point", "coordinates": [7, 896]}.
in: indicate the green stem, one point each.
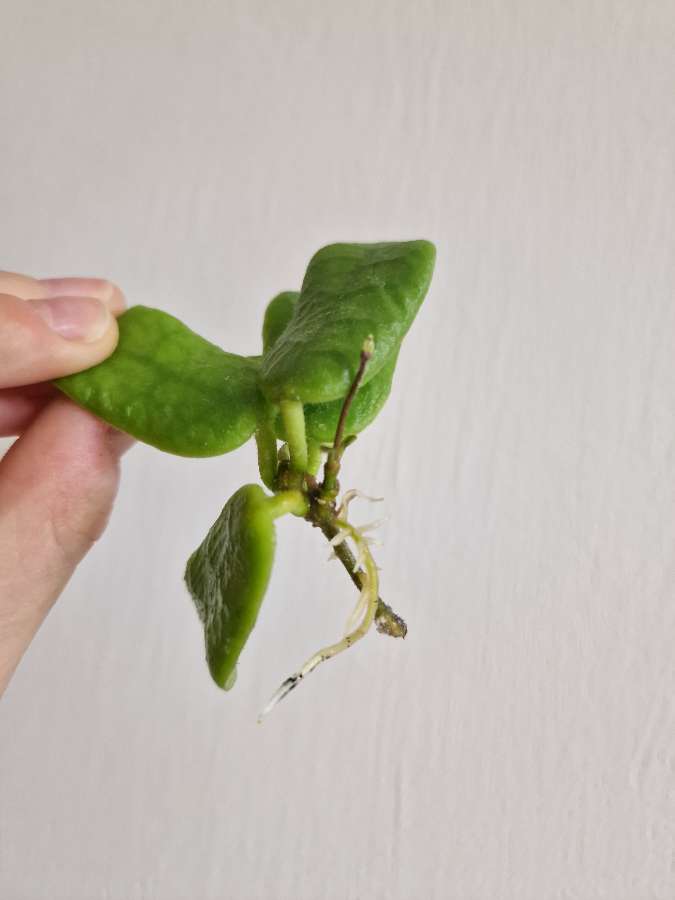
{"type": "Point", "coordinates": [293, 417]}
{"type": "Point", "coordinates": [266, 443]}
{"type": "Point", "coordinates": [286, 502]}
{"type": "Point", "coordinates": [313, 457]}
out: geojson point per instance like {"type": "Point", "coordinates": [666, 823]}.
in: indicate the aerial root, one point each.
{"type": "Point", "coordinates": [360, 620]}
{"type": "Point", "coordinates": [350, 495]}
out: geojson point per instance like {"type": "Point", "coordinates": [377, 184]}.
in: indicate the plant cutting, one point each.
{"type": "Point", "coordinates": [326, 368]}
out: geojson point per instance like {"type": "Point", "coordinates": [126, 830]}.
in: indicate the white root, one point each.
{"type": "Point", "coordinates": [360, 620]}
{"type": "Point", "coordinates": [350, 495]}
{"type": "Point", "coordinates": [356, 614]}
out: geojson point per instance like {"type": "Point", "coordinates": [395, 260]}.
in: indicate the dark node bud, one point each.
{"type": "Point", "coordinates": [387, 622]}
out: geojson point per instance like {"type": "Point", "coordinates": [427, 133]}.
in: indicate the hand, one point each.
{"type": "Point", "coordinates": [58, 481]}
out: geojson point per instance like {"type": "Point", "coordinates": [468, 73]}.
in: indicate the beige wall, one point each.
{"type": "Point", "coordinates": [521, 744]}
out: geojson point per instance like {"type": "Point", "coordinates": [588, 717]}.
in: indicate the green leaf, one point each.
{"type": "Point", "coordinates": [227, 577]}
{"type": "Point", "coordinates": [350, 291]}
{"type": "Point", "coordinates": [321, 419]}
{"type": "Point", "coordinates": [169, 387]}
{"type": "Point", "coordinates": [228, 574]}
{"type": "Point", "coordinates": [277, 316]}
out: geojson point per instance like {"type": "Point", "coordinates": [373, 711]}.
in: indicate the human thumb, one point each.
{"type": "Point", "coordinates": [47, 337]}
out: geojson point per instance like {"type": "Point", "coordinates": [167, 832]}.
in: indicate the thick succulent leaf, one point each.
{"type": "Point", "coordinates": [227, 577]}
{"type": "Point", "coordinates": [350, 291]}
{"type": "Point", "coordinates": [277, 316]}
{"type": "Point", "coordinates": [321, 419]}
{"type": "Point", "coordinates": [169, 387]}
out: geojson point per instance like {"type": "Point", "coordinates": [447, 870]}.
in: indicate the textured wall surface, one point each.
{"type": "Point", "coordinates": [520, 745]}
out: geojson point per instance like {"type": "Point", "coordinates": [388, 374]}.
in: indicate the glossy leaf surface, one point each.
{"type": "Point", "coordinates": [350, 291]}
{"type": "Point", "coordinates": [171, 388]}
{"type": "Point", "coordinates": [227, 577]}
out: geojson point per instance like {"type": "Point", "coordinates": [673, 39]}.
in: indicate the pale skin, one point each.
{"type": "Point", "coordinates": [59, 479]}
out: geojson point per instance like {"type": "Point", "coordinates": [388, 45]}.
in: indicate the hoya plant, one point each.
{"type": "Point", "coordinates": [326, 368]}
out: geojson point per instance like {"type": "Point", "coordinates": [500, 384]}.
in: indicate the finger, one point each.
{"type": "Point", "coordinates": [103, 290]}
{"type": "Point", "coordinates": [57, 484]}
{"type": "Point", "coordinates": [21, 286]}
{"type": "Point", "coordinates": [19, 406]}
{"type": "Point", "coordinates": [34, 289]}
{"type": "Point", "coordinates": [45, 338]}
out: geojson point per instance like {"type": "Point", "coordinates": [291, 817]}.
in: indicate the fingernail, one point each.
{"type": "Point", "coordinates": [78, 287]}
{"type": "Point", "coordinates": [83, 319]}
{"type": "Point", "coordinates": [100, 288]}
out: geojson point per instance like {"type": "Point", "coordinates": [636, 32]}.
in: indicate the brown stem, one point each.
{"type": "Point", "coordinates": [331, 469]}
{"type": "Point", "coordinates": [322, 512]}
{"type": "Point", "coordinates": [386, 620]}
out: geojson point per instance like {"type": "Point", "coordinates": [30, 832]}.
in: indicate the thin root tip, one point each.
{"type": "Point", "coordinates": [282, 691]}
